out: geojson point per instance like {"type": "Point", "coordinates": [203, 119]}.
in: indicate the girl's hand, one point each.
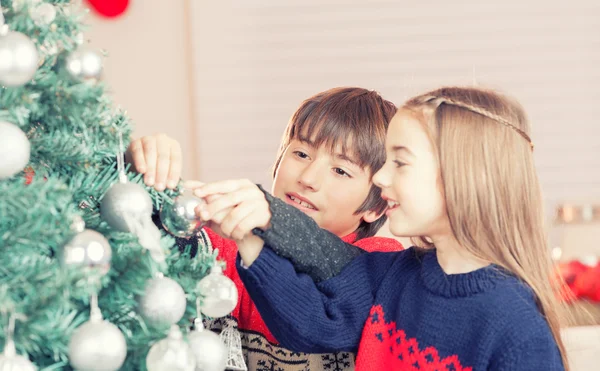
{"type": "Point", "coordinates": [159, 157]}
{"type": "Point", "coordinates": [235, 206]}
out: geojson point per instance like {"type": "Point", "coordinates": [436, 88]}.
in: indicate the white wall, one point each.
{"type": "Point", "coordinates": [148, 69]}
{"type": "Point", "coordinates": [225, 84]}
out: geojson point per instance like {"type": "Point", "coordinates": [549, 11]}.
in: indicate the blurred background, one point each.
{"type": "Point", "coordinates": [224, 77]}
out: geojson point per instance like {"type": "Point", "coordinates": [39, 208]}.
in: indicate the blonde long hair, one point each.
{"type": "Point", "coordinates": [489, 179]}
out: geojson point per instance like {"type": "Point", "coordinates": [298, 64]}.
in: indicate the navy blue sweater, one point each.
{"type": "Point", "coordinates": [400, 311]}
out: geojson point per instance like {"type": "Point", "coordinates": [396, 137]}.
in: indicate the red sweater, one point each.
{"type": "Point", "coordinates": [246, 312]}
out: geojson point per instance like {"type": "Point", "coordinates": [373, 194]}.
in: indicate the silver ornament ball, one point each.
{"type": "Point", "coordinates": [14, 149]}
{"type": "Point", "coordinates": [163, 302]}
{"type": "Point", "coordinates": [179, 218]}
{"type": "Point", "coordinates": [125, 199]}
{"type": "Point", "coordinates": [209, 350]}
{"type": "Point", "coordinates": [88, 249]}
{"type": "Point", "coordinates": [11, 361]}
{"type": "Point", "coordinates": [16, 363]}
{"type": "Point", "coordinates": [18, 59]}
{"type": "Point", "coordinates": [97, 345]}
{"type": "Point", "coordinates": [219, 293]}
{"type": "Point", "coordinates": [84, 65]}
{"type": "Point", "coordinates": [171, 354]}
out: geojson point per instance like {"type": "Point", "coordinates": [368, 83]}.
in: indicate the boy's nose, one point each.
{"type": "Point", "coordinates": [310, 177]}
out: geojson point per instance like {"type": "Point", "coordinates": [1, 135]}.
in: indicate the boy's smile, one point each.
{"type": "Point", "coordinates": [327, 186]}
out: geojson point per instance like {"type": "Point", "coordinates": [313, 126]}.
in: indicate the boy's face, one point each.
{"type": "Point", "coordinates": [328, 187]}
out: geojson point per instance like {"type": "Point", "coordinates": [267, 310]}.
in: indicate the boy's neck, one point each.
{"type": "Point", "coordinates": [455, 259]}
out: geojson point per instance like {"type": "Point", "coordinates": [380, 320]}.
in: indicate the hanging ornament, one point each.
{"type": "Point", "coordinates": [18, 58]}
{"type": "Point", "coordinates": [88, 249]}
{"type": "Point", "coordinates": [14, 149]}
{"type": "Point", "coordinates": [84, 65]}
{"type": "Point", "coordinates": [209, 350]}
{"type": "Point", "coordinates": [232, 339]}
{"type": "Point", "coordinates": [219, 293]}
{"type": "Point", "coordinates": [125, 200]}
{"type": "Point", "coordinates": [109, 8]}
{"type": "Point", "coordinates": [127, 207]}
{"type": "Point", "coordinates": [163, 301]}
{"type": "Point", "coordinates": [179, 218]}
{"type": "Point", "coordinates": [9, 359]}
{"type": "Point", "coordinates": [42, 14]}
{"type": "Point", "coordinates": [97, 345]}
{"type": "Point", "coordinates": [171, 354]}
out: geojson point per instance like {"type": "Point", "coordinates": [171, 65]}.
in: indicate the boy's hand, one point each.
{"type": "Point", "coordinates": [159, 158]}
{"type": "Point", "coordinates": [236, 206]}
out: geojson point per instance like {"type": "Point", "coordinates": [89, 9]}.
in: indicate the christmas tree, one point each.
{"type": "Point", "coordinates": [87, 280]}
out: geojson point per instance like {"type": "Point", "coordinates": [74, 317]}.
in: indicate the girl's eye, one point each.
{"type": "Point", "coordinates": [399, 163]}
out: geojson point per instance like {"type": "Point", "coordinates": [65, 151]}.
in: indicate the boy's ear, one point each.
{"type": "Point", "coordinates": [371, 216]}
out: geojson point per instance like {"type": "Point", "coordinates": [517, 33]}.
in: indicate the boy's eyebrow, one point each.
{"type": "Point", "coordinates": [341, 156]}
{"type": "Point", "coordinates": [345, 157]}
{"type": "Point", "coordinates": [306, 140]}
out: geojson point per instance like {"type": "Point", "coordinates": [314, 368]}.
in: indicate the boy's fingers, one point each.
{"type": "Point", "coordinates": [163, 162]}
{"type": "Point", "coordinates": [136, 153]}
{"type": "Point", "coordinates": [225, 186]}
{"type": "Point", "coordinates": [176, 165]}
{"type": "Point", "coordinates": [149, 146]}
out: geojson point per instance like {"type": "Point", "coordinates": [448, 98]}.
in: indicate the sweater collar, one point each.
{"type": "Point", "coordinates": [458, 285]}
{"type": "Point", "coordinates": [350, 238]}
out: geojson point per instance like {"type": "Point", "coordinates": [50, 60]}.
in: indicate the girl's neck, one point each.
{"type": "Point", "coordinates": [455, 259]}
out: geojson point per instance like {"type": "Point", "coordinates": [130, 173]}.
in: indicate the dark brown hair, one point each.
{"type": "Point", "coordinates": [355, 118]}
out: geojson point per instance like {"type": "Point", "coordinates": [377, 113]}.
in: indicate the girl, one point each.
{"type": "Point", "coordinates": [475, 295]}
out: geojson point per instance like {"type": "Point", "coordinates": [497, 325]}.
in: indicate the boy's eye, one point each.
{"type": "Point", "coordinates": [341, 172]}
{"type": "Point", "coordinates": [300, 154]}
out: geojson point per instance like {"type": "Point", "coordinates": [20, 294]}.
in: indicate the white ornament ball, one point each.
{"type": "Point", "coordinates": [14, 149]}
{"type": "Point", "coordinates": [219, 293]}
{"type": "Point", "coordinates": [11, 361]}
{"type": "Point", "coordinates": [18, 59]}
{"type": "Point", "coordinates": [43, 14]}
{"type": "Point", "coordinates": [16, 363]}
{"type": "Point", "coordinates": [209, 350]}
{"type": "Point", "coordinates": [164, 302]}
{"type": "Point", "coordinates": [88, 249]}
{"type": "Point", "coordinates": [84, 65]}
{"type": "Point", "coordinates": [171, 354]}
{"type": "Point", "coordinates": [125, 200]}
{"type": "Point", "coordinates": [97, 345]}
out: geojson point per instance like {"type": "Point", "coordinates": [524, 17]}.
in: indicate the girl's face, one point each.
{"type": "Point", "coordinates": [410, 181]}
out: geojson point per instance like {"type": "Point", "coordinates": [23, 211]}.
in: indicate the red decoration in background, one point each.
{"type": "Point", "coordinates": [580, 281]}
{"type": "Point", "coordinates": [109, 8]}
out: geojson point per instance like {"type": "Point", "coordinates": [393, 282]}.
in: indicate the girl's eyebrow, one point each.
{"type": "Point", "coordinates": [402, 149]}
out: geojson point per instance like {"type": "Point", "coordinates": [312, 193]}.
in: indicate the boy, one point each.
{"type": "Point", "coordinates": [332, 146]}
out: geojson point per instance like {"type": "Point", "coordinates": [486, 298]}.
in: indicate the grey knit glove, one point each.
{"type": "Point", "coordinates": [295, 236]}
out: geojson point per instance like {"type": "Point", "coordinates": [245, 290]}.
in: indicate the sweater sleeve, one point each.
{"type": "Point", "coordinates": [315, 318]}
{"type": "Point", "coordinates": [534, 353]}
{"type": "Point", "coordinates": [297, 237]}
